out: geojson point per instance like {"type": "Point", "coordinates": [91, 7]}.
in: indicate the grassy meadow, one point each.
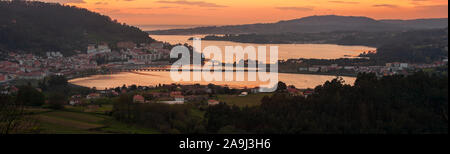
{"type": "Point", "coordinates": [73, 120]}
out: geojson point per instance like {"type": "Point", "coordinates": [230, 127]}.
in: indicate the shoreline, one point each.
{"type": "Point", "coordinates": [323, 73]}
{"type": "Point", "coordinates": [203, 39]}
{"type": "Point", "coordinates": [259, 43]}
{"type": "Point", "coordinates": [331, 75]}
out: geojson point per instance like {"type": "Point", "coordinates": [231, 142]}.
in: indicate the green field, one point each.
{"type": "Point", "coordinates": [250, 100]}
{"type": "Point", "coordinates": [77, 120]}
{"type": "Point", "coordinates": [100, 110]}
{"type": "Point", "coordinates": [70, 122]}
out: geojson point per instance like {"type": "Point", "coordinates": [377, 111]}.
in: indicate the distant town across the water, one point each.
{"type": "Point", "coordinates": [167, 27]}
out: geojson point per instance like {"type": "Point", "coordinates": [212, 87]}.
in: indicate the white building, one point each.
{"type": "Point", "coordinates": [403, 65]}
{"type": "Point", "coordinates": [91, 49]}
{"type": "Point", "coordinates": [54, 55]}
{"type": "Point", "coordinates": [243, 94]}
{"type": "Point", "coordinates": [303, 69]}
{"type": "Point", "coordinates": [313, 69]}
{"type": "Point", "coordinates": [103, 48]}
{"type": "Point", "coordinates": [179, 98]}
{"type": "Point", "coordinates": [349, 67]}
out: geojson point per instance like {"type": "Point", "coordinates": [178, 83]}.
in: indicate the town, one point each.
{"type": "Point", "coordinates": [100, 57]}
{"type": "Point", "coordinates": [349, 67]}
{"type": "Point", "coordinates": [29, 66]}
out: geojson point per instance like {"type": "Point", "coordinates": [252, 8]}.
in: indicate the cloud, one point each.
{"type": "Point", "coordinates": [64, 1]}
{"type": "Point", "coordinates": [385, 5]}
{"type": "Point", "coordinates": [296, 8]}
{"type": "Point", "coordinates": [167, 7]}
{"type": "Point", "coordinates": [109, 11]}
{"type": "Point", "coordinates": [141, 8]}
{"type": "Point", "coordinates": [343, 2]}
{"type": "Point", "coordinates": [192, 3]}
{"type": "Point", "coordinates": [435, 8]}
{"type": "Point", "coordinates": [101, 3]}
{"type": "Point", "coordinates": [418, 2]}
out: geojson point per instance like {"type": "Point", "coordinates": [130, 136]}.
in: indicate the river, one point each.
{"type": "Point", "coordinates": [302, 81]}
{"type": "Point", "coordinates": [286, 51]}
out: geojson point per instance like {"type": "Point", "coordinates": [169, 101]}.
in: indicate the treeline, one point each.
{"type": "Point", "coordinates": [399, 105]}
{"type": "Point", "coordinates": [171, 119]}
{"type": "Point", "coordinates": [408, 46]}
{"type": "Point", "coordinates": [421, 46]}
{"type": "Point", "coordinates": [415, 104]}
{"type": "Point", "coordinates": [52, 92]}
{"type": "Point", "coordinates": [293, 65]}
{"type": "Point", "coordinates": [39, 27]}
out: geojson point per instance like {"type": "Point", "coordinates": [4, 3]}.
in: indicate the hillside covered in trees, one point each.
{"type": "Point", "coordinates": [39, 27]}
{"type": "Point", "coordinates": [407, 46]}
{"type": "Point", "coordinates": [421, 46]}
{"type": "Point", "coordinates": [415, 104]}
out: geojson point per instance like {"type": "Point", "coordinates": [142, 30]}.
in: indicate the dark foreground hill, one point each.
{"type": "Point", "coordinates": [39, 27]}
{"type": "Point", "coordinates": [317, 24]}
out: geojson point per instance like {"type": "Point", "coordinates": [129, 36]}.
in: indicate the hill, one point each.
{"type": "Point", "coordinates": [420, 46]}
{"type": "Point", "coordinates": [38, 27]}
{"type": "Point", "coordinates": [420, 23]}
{"type": "Point", "coordinates": [316, 24]}
{"type": "Point", "coordinates": [417, 46]}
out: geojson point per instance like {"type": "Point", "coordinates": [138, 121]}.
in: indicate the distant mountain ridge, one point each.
{"type": "Point", "coordinates": [316, 24]}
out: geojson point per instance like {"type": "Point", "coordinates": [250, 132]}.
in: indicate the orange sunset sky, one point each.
{"type": "Point", "coordinates": [231, 12]}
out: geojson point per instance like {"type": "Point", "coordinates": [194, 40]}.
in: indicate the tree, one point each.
{"type": "Point", "coordinates": [57, 80]}
{"type": "Point", "coordinates": [414, 104]}
{"type": "Point", "coordinates": [57, 101]}
{"type": "Point", "coordinates": [123, 107]}
{"type": "Point", "coordinates": [281, 86]}
{"type": "Point", "coordinates": [28, 95]}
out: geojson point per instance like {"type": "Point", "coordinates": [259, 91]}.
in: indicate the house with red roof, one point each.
{"type": "Point", "coordinates": [93, 96]}
{"type": "Point", "coordinates": [294, 92]}
{"type": "Point", "coordinates": [175, 93]}
{"type": "Point", "coordinates": [213, 102]}
{"type": "Point", "coordinates": [308, 93]}
{"type": "Point", "coordinates": [3, 78]}
{"type": "Point", "coordinates": [138, 99]}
